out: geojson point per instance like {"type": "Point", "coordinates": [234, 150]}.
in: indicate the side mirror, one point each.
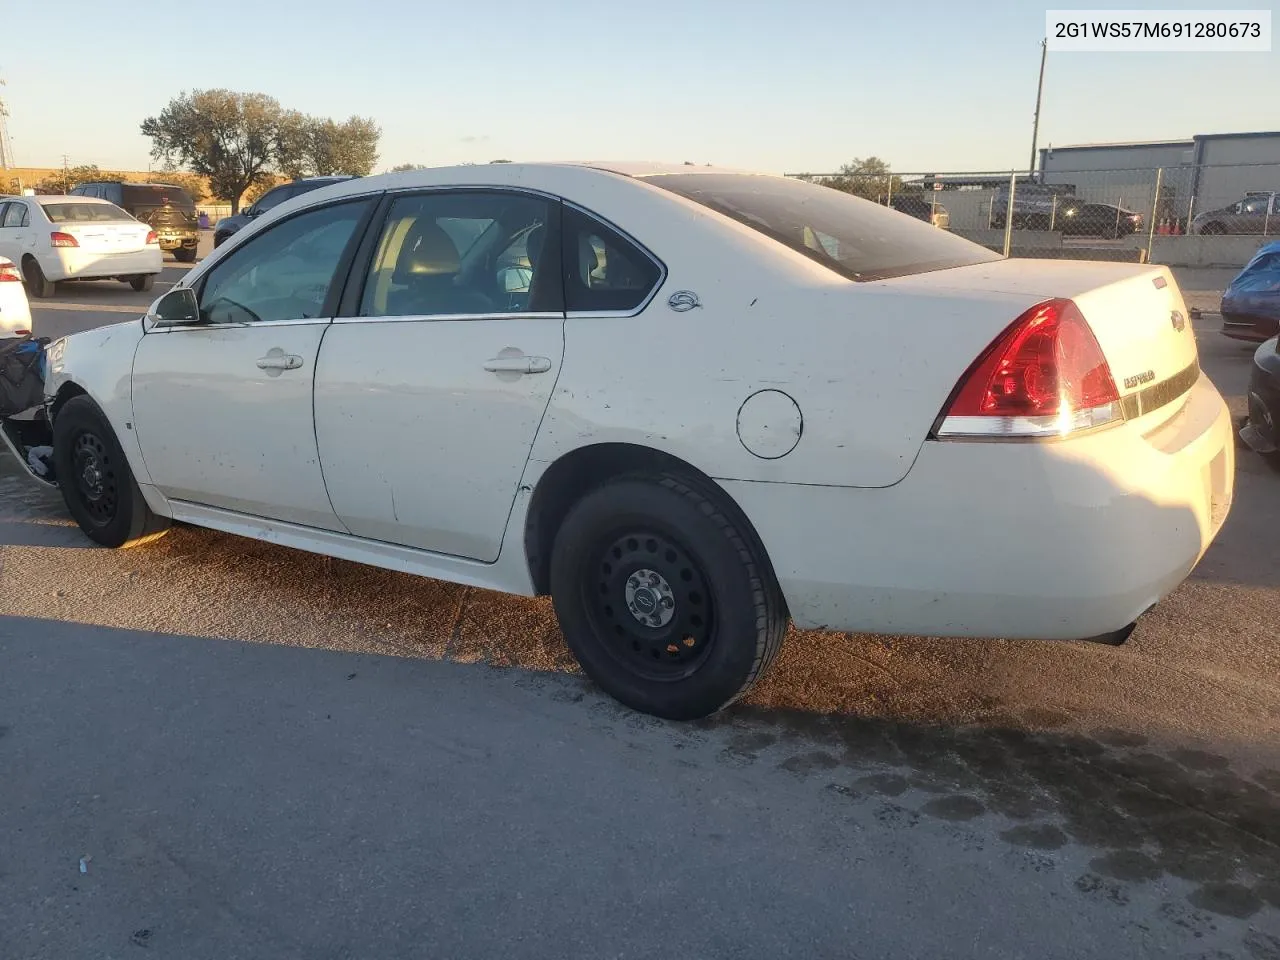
{"type": "Point", "coordinates": [249, 213]}
{"type": "Point", "coordinates": [176, 308]}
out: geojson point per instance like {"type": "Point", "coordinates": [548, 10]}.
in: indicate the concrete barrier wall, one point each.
{"type": "Point", "coordinates": [1169, 251]}
{"type": "Point", "coordinates": [1201, 251]}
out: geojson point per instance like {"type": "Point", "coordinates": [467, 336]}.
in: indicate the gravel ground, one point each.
{"type": "Point", "coordinates": [1122, 799]}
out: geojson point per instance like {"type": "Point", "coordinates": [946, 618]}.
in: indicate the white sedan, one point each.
{"type": "Point", "coordinates": [15, 311]}
{"type": "Point", "coordinates": [689, 404]}
{"type": "Point", "coordinates": [77, 238]}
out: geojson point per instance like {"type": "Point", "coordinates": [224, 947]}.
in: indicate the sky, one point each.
{"type": "Point", "coordinates": [781, 87]}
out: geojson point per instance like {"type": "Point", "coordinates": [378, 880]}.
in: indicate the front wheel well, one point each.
{"type": "Point", "coordinates": [571, 477]}
{"type": "Point", "coordinates": [65, 393]}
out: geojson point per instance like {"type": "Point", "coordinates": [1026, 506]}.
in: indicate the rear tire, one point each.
{"type": "Point", "coordinates": [96, 483]}
{"type": "Point", "coordinates": [38, 285]}
{"type": "Point", "coordinates": [185, 255]}
{"type": "Point", "coordinates": [669, 604]}
{"type": "Point", "coordinates": [143, 282]}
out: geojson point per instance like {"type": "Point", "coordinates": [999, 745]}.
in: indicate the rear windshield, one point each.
{"type": "Point", "coordinates": [856, 238]}
{"type": "Point", "coordinates": [156, 196]}
{"type": "Point", "coordinates": [84, 212]}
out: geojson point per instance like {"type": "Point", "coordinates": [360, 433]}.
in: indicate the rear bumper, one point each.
{"type": "Point", "coordinates": [177, 239]}
{"type": "Point", "coordinates": [1253, 329]}
{"type": "Point", "coordinates": [15, 313]}
{"type": "Point", "coordinates": [1037, 541]}
{"type": "Point", "coordinates": [77, 264]}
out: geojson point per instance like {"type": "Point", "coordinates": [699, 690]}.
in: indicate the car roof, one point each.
{"type": "Point", "coordinates": [530, 173]}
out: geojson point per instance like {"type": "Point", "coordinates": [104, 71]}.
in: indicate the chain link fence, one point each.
{"type": "Point", "coordinates": [1096, 214]}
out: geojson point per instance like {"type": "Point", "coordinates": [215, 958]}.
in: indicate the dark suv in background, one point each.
{"type": "Point", "coordinates": [167, 209]}
{"type": "Point", "coordinates": [227, 226]}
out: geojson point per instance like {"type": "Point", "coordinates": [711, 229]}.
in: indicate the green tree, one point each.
{"type": "Point", "coordinates": [870, 178]}
{"type": "Point", "coordinates": [231, 138]}
{"type": "Point", "coordinates": [193, 183]}
{"type": "Point", "coordinates": [64, 180]}
{"type": "Point", "coordinates": [349, 148]}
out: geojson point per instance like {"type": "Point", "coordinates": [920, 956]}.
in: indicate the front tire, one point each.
{"type": "Point", "coordinates": [143, 282]}
{"type": "Point", "coordinates": [38, 285]}
{"type": "Point", "coordinates": [96, 483]}
{"type": "Point", "coordinates": [668, 602]}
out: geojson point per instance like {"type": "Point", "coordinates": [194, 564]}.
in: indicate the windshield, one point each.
{"type": "Point", "coordinates": [856, 238]}
{"type": "Point", "coordinates": [84, 212]}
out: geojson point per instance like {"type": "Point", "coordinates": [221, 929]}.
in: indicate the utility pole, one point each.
{"type": "Point", "coordinates": [1035, 125]}
{"type": "Point", "coordinates": [6, 145]}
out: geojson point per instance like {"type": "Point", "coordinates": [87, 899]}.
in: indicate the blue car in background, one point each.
{"type": "Point", "coordinates": [1251, 305]}
{"type": "Point", "coordinates": [1251, 311]}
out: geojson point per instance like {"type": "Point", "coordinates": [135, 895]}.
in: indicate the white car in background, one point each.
{"type": "Point", "coordinates": [688, 404]}
{"type": "Point", "coordinates": [77, 238]}
{"type": "Point", "coordinates": [15, 311]}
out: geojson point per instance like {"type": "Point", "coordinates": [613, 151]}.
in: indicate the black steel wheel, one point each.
{"type": "Point", "coordinates": [97, 484]}
{"type": "Point", "coordinates": [665, 595]}
{"type": "Point", "coordinates": [650, 604]}
{"type": "Point", "coordinates": [94, 475]}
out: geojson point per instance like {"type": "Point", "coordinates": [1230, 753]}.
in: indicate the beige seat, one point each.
{"type": "Point", "coordinates": [426, 276]}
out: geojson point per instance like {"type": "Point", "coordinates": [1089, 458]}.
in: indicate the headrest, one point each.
{"type": "Point", "coordinates": [427, 252]}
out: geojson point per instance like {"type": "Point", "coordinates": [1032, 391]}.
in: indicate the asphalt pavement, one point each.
{"type": "Point", "coordinates": [213, 747]}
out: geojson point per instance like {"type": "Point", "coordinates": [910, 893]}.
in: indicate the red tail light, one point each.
{"type": "Point", "coordinates": [1045, 376]}
{"type": "Point", "coordinates": [152, 237]}
{"type": "Point", "coordinates": [59, 239]}
{"type": "Point", "coordinates": [9, 273]}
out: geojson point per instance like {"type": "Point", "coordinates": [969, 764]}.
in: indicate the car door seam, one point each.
{"type": "Point", "coordinates": [315, 425]}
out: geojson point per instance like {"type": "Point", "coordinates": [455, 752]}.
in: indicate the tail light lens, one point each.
{"type": "Point", "coordinates": [9, 273]}
{"type": "Point", "coordinates": [59, 239]}
{"type": "Point", "coordinates": [1045, 376]}
{"type": "Point", "coordinates": [152, 237]}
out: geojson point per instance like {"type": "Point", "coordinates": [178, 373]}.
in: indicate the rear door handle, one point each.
{"type": "Point", "coordinates": [280, 362]}
{"type": "Point", "coordinates": [518, 365]}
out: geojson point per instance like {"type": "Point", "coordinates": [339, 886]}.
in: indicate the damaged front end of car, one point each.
{"type": "Point", "coordinates": [25, 424]}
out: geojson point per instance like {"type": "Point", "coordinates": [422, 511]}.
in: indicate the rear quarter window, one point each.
{"type": "Point", "coordinates": [855, 238]}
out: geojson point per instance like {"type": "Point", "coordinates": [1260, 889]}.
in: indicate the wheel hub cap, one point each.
{"type": "Point", "coordinates": [650, 598]}
{"type": "Point", "coordinates": [651, 605]}
{"type": "Point", "coordinates": [92, 477]}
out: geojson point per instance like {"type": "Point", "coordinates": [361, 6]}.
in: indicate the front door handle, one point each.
{"type": "Point", "coordinates": [518, 365]}
{"type": "Point", "coordinates": [279, 361]}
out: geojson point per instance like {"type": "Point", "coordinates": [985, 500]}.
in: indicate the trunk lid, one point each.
{"type": "Point", "coordinates": [1136, 312]}
{"type": "Point", "coordinates": [108, 236]}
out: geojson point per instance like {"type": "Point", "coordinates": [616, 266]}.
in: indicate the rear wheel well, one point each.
{"type": "Point", "coordinates": [572, 476]}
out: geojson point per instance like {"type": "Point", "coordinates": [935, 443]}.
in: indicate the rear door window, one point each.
{"type": "Point", "coordinates": [465, 253]}
{"type": "Point", "coordinates": [15, 215]}
{"type": "Point", "coordinates": [604, 272]}
{"type": "Point", "coordinates": [863, 240]}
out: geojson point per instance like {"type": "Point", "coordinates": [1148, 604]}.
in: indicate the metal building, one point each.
{"type": "Point", "coordinates": [1205, 172]}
